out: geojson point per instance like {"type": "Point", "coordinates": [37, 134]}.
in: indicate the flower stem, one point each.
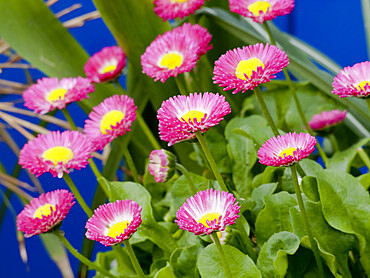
{"type": "Point", "coordinates": [129, 161]}
{"type": "Point", "coordinates": [368, 103]}
{"type": "Point", "coordinates": [307, 225]}
{"type": "Point", "coordinates": [98, 176]}
{"type": "Point", "coordinates": [143, 125]}
{"type": "Point", "coordinates": [211, 161]}
{"type": "Point", "coordinates": [222, 255]}
{"type": "Point", "coordinates": [80, 257]}
{"type": "Point", "coordinates": [296, 100]}
{"type": "Point", "coordinates": [265, 111]}
{"type": "Point", "coordinates": [77, 194]}
{"type": "Point", "coordinates": [181, 85]}
{"type": "Point", "coordinates": [69, 118]}
{"type": "Point", "coordinates": [365, 158]}
{"type": "Point", "coordinates": [135, 262]}
{"type": "Point", "coordinates": [185, 172]}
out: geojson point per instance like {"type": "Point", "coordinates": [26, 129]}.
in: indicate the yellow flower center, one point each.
{"type": "Point", "coordinates": [193, 114]}
{"type": "Point", "coordinates": [108, 69]}
{"type": "Point", "coordinates": [247, 67]}
{"type": "Point", "coordinates": [211, 216]}
{"type": "Point", "coordinates": [56, 94]}
{"type": "Point", "coordinates": [117, 229]}
{"type": "Point", "coordinates": [110, 119]}
{"type": "Point", "coordinates": [58, 154]}
{"type": "Point", "coordinates": [287, 152]}
{"type": "Point", "coordinates": [44, 210]}
{"type": "Point", "coordinates": [171, 60]}
{"type": "Point", "coordinates": [258, 6]}
{"type": "Point", "coordinates": [361, 85]}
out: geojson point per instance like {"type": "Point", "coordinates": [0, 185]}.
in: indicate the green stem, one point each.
{"type": "Point", "coordinates": [143, 125]}
{"type": "Point", "coordinates": [80, 257]}
{"type": "Point", "coordinates": [134, 260]}
{"type": "Point", "coordinates": [365, 158]}
{"type": "Point", "coordinates": [185, 172]}
{"type": "Point", "coordinates": [334, 142]}
{"type": "Point", "coordinates": [222, 255]}
{"type": "Point", "coordinates": [181, 85]}
{"type": "Point", "coordinates": [307, 225]}
{"type": "Point", "coordinates": [77, 194]}
{"type": "Point", "coordinates": [368, 103]}
{"type": "Point", "coordinates": [211, 161]}
{"type": "Point", "coordinates": [98, 176]}
{"type": "Point", "coordinates": [265, 111]}
{"type": "Point", "coordinates": [129, 161]}
{"type": "Point", "coordinates": [296, 100]}
{"type": "Point", "coordinates": [69, 118]}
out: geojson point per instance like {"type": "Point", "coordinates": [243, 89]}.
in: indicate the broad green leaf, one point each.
{"type": "Point", "coordinates": [273, 258]}
{"type": "Point", "coordinates": [148, 227]}
{"type": "Point", "coordinates": [106, 259]}
{"type": "Point", "coordinates": [341, 161]}
{"type": "Point", "coordinates": [346, 207]}
{"type": "Point", "coordinates": [364, 180]}
{"type": "Point", "coordinates": [310, 167]}
{"type": "Point", "coordinates": [32, 30]}
{"type": "Point", "coordinates": [243, 157]}
{"type": "Point", "coordinates": [165, 272]}
{"type": "Point", "coordinates": [275, 216]}
{"type": "Point", "coordinates": [309, 188]}
{"type": "Point", "coordinates": [259, 194]}
{"type": "Point", "coordinates": [333, 244]}
{"type": "Point", "coordinates": [210, 266]}
{"type": "Point", "coordinates": [184, 260]}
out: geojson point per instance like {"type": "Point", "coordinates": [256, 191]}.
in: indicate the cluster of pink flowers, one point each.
{"type": "Point", "coordinates": [175, 51]}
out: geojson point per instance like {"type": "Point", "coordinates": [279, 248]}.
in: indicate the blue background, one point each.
{"type": "Point", "coordinates": [333, 26]}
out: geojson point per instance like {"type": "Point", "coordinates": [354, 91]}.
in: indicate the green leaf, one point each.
{"type": "Point", "coordinates": [346, 207]}
{"type": "Point", "coordinates": [273, 258]}
{"type": "Point", "coordinates": [165, 272]}
{"type": "Point", "coordinates": [210, 266]}
{"type": "Point", "coordinates": [105, 259]}
{"type": "Point", "coordinates": [342, 161]}
{"type": "Point", "coordinates": [183, 261]}
{"type": "Point", "coordinates": [275, 216]}
{"type": "Point", "coordinates": [148, 228]}
{"type": "Point", "coordinates": [259, 194]}
{"type": "Point", "coordinates": [243, 157]}
{"type": "Point", "coordinates": [364, 180]}
{"type": "Point", "coordinates": [309, 188]}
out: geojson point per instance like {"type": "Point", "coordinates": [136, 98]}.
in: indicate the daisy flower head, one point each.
{"type": "Point", "coordinates": [171, 9]}
{"type": "Point", "coordinates": [56, 153]}
{"type": "Point", "coordinates": [327, 119]}
{"type": "Point", "coordinates": [105, 65]}
{"type": "Point", "coordinates": [50, 93]}
{"type": "Point", "coordinates": [162, 165]}
{"type": "Point", "coordinates": [245, 68]}
{"type": "Point", "coordinates": [169, 55]}
{"type": "Point", "coordinates": [113, 223]}
{"type": "Point", "coordinates": [260, 11]}
{"type": "Point", "coordinates": [353, 81]}
{"type": "Point", "coordinates": [45, 212]}
{"type": "Point", "coordinates": [181, 116]}
{"type": "Point", "coordinates": [110, 119]}
{"type": "Point", "coordinates": [208, 211]}
{"type": "Point", "coordinates": [197, 33]}
{"type": "Point", "coordinates": [285, 150]}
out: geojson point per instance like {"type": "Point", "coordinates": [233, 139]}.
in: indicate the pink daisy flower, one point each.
{"type": "Point", "coordinates": [353, 81]}
{"type": "Point", "coordinates": [162, 165]}
{"type": "Point", "coordinates": [208, 211]}
{"type": "Point", "coordinates": [170, 9]}
{"type": "Point", "coordinates": [169, 55]}
{"type": "Point", "coordinates": [245, 68]}
{"type": "Point", "coordinates": [181, 116]}
{"type": "Point", "coordinates": [45, 212]}
{"type": "Point", "coordinates": [110, 119]}
{"type": "Point", "coordinates": [114, 222]}
{"type": "Point", "coordinates": [327, 119]}
{"type": "Point", "coordinates": [197, 33]}
{"type": "Point", "coordinates": [286, 150]}
{"type": "Point", "coordinates": [50, 93]}
{"type": "Point", "coordinates": [260, 11]}
{"type": "Point", "coordinates": [56, 153]}
{"type": "Point", "coordinates": [105, 65]}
